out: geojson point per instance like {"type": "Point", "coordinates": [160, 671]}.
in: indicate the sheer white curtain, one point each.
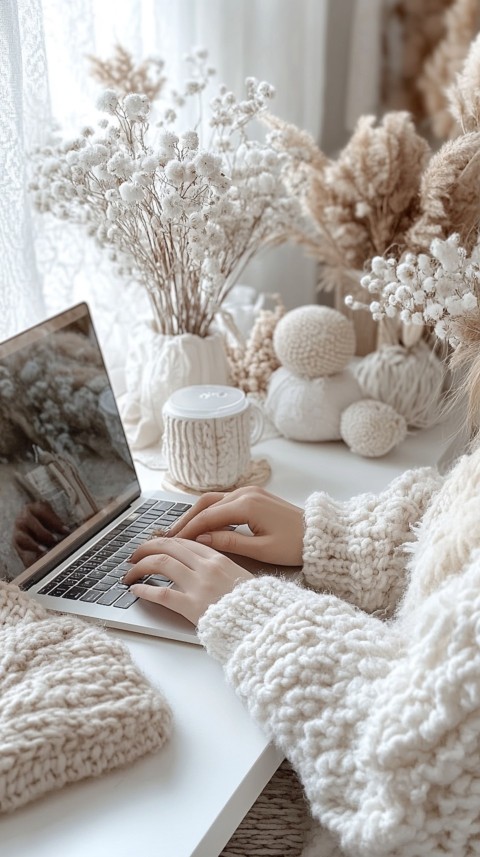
{"type": "Point", "coordinates": [24, 112]}
{"type": "Point", "coordinates": [43, 72]}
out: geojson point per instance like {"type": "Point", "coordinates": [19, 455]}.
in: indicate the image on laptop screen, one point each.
{"type": "Point", "coordinates": [64, 460]}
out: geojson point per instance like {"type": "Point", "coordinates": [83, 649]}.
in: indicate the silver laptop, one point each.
{"type": "Point", "coordinates": [71, 507]}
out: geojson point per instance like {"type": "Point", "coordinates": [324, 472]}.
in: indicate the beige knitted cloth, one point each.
{"type": "Point", "coordinates": [72, 702]}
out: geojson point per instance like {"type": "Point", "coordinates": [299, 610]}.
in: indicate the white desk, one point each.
{"type": "Point", "coordinates": [187, 800]}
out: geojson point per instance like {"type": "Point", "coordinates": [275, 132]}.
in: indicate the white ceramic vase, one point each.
{"type": "Point", "coordinates": [156, 366]}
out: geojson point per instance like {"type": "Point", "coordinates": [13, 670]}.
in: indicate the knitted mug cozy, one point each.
{"type": "Point", "coordinates": [72, 702]}
{"type": "Point", "coordinates": [209, 429]}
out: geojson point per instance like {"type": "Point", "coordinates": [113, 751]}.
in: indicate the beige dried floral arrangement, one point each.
{"type": "Point", "coordinates": [252, 364]}
{"type": "Point", "coordinates": [387, 191]}
{"type": "Point", "coordinates": [121, 73]}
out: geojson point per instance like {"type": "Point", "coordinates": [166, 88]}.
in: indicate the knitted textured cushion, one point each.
{"type": "Point", "coordinates": [72, 702]}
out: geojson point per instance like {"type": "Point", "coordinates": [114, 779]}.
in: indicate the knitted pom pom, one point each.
{"type": "Point", "coordinates": [372, 428]}
{"type": "Point", "coordinates": [312, 341]}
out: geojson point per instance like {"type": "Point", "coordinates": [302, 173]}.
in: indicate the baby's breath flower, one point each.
{"type": "Point", "coordinates": [265, 90]}
{"type": "Point", "coordinates": [120, 164]}
{"type": "Point", "coordinates": [175, 172]}
{"type": "Point", "coordinates": [136, 107]}
{"type": "Point", "coordinates": [141, 178]}
{"type": "Point", "coordinates": [168, 141]}
{"type": "Point", "coordinates": [433, 290]}
{"type": "Point", "coordinates": [131, 192]}
{"type": "Point", "coordinates": [206, 164]}
{"type": "Point", "coordinates": [160, 202]}
{"type": "Point", "coordinates": [107, 101]}
{"type": "Point", "coordinates": [189, 140]}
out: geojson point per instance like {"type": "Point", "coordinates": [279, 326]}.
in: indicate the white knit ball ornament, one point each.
{"type": "Point", "coordinates": [309, 408]}
{"type": "Point", "coordinates": [312, 341]}
{"type": "Point", "coordinates": [410, 380]}
{"type": "Point", "coordinates": [372, 428]}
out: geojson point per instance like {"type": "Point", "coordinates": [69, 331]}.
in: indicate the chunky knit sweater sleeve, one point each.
{"type": "Point", "coordinates": [380, 719]}
{"type": "Point", "coordinates": [353, 549]}
{"type": "Point", "coordinates": [382, 728]}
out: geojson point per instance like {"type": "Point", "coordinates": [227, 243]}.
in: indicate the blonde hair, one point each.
{"type": "Point", "coordinates": [466, 358]}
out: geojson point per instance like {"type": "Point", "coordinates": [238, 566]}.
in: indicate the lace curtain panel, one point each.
{"type": "Point", "coordinates": [44, 73]}
{"type": "Point", "coordinates": [24, 114]}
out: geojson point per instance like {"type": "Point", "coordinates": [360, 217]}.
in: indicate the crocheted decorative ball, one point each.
{"type": "Point", "coordinates": [310, 408]}
{"type": "Point", "coordinates": [408, 379]}
{"type": "Point", "coordinates": [312, 341]}
{"type": "Point", "coordinates": [372, 428]}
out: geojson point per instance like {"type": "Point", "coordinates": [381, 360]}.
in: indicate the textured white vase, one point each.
{"type": "Point", "coordinates": [156, 366]}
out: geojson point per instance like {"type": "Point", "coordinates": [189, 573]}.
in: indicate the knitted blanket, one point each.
{"type": "Point", "coordinates": [72, 702]}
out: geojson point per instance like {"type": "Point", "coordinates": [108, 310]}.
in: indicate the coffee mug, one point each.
{"type": "Point", "coordinates": [208, 432]}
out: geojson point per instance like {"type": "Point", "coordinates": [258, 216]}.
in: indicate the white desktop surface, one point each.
{"type": "Point", "coordinates": [187, 799]}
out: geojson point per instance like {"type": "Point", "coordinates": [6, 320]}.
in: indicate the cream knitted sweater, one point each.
{"type": "Point", "coordinates": [381, 719]}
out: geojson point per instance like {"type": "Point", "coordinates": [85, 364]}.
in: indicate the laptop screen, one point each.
{"type": "Point", "coordinates": [65, 466]}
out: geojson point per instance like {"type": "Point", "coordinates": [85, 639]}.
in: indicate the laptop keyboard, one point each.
{"type": "Point", "coordinates": [96, 576]}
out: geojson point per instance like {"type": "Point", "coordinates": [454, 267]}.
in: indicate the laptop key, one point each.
{"type": "Point", "coordinates": [110, 580]}
{"type": "Point", "coordinates": [101, 587]}
{"type": "Point", "coordinates": [47, 590]}
{"type": "Point", "coordinates": [75, 593]}
{"type": "Point", "coordinates": [109, 597]}
{"type": "Point", "coordinates": [126, 600]}
{"type": "Point", "coordinates": [96, 574]}
{"type": "Point", "coordinates": [91, 595]}
{"type": "Point", "coordinates": [74, 576]}
{"type": "Point", "coordinates": [90, 581]}
{"type": "Point", "coordinates": [60, 589]}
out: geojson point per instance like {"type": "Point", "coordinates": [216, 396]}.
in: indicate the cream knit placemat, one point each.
{"type": "Point", "coordinates": [72, 702]}
{"type": "Point", "coordinates": [258, 473]}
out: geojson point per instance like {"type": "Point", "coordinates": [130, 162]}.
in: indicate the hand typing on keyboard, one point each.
{"type": "Point", "coordinates": [201, 574]}
{"type": "Point", "coordinates": [276, 526]}
{"type": "Point", "coordinates": [96, 575]}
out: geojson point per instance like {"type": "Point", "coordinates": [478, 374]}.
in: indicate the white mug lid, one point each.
{"type": "Point", "coordinates": [205, 401]}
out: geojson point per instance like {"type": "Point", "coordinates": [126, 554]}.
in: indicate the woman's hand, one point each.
{"type": "Point", "coordinates": [201, 574]}
{"type": "Point", "coordinates": [277, 526]}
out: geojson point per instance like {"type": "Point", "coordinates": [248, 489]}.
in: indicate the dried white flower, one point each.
{"type": "Point", "coordinates": [107, 101]}
{"type": "Point", "coordinates": [136, 107]}
{"type": "Point", "coordinates": [181, 217]}
{"type": "Point", "coordinates": [189, 140]}
{"type": "Point", "coordinates": [435, 290]}
{"type": "Point", "coordinates": [168, 141]}
{"type": "Point", "coordinates": [207, 164]}
{"type": "Point", "coordinates": [131, 192]}
{"type": "Point", "coordinates": [175, 172]}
